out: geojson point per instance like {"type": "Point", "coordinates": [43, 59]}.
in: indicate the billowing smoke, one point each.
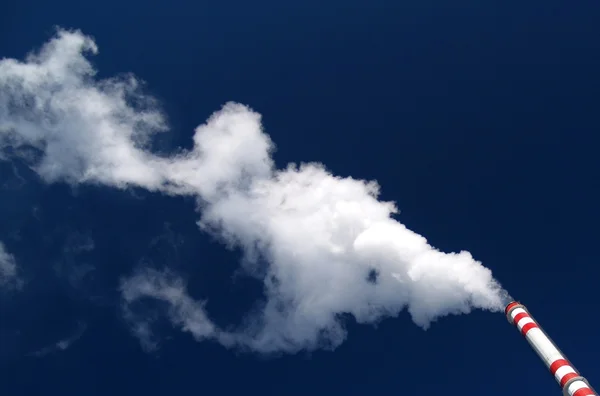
{"type": "Point", "coordinates": [323, 245]}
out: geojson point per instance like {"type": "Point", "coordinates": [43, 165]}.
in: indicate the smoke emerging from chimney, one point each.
{"type": "Point", "coordinates": [330, 246]}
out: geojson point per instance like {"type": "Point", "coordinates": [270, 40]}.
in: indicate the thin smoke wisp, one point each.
{"type": "Point", "coordinates": [8, 269]}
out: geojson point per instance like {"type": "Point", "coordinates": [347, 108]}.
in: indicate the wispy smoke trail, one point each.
{"type": "Point", "coordinates": [62, 344]}
{"type": "Point", "coordinates": [8, 269]}
{"type": "Point", "coordinates": [330, 246]}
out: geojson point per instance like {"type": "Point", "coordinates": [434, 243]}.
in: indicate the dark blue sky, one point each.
{"type": "Point", "coordinates": [479, 118]}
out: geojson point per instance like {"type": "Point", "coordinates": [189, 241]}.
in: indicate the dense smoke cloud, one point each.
{"type": "Point", "coordinates": [332, 248]}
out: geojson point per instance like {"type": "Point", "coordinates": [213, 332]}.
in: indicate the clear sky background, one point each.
{"type": "Point", "coordinates": [478, 118]}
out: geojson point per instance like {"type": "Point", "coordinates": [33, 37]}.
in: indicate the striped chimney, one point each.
{"type": "Point", "coordinates": [571, 382]}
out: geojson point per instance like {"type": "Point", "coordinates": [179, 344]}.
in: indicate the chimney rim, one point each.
{"type": "Point", "coordinates": [511, 305]}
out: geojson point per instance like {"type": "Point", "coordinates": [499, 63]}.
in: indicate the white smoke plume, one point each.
{"type": "Point", "coordinates": [329, 245]}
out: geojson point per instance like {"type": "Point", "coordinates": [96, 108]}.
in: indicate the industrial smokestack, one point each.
{"type": "Point", "coordinates": [571, 382]}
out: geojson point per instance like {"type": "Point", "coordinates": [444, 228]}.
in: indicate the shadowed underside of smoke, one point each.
{"type": "Point", "coordinates": [331, 246]}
